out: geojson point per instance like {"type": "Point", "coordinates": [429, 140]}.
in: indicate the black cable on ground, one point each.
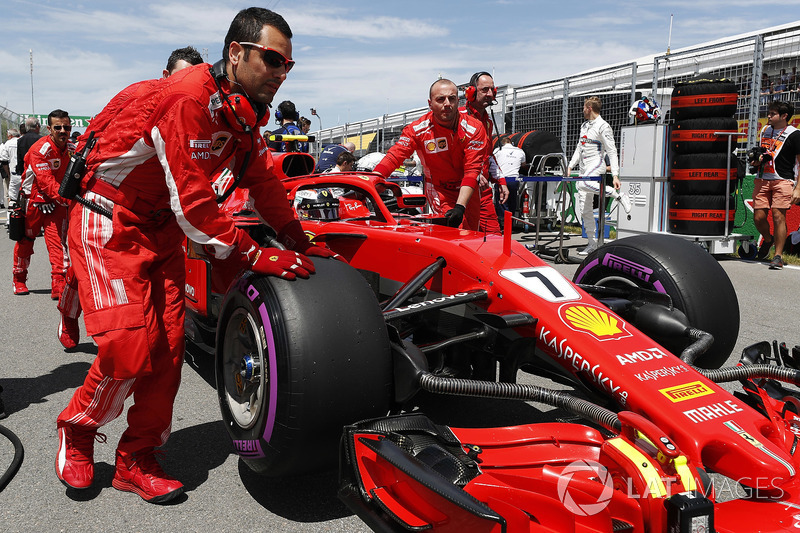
{"type": "Point", "coordinates": [16, 462]}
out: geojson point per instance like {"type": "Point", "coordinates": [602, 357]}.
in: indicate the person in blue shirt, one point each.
{"type": "Point", "coordinates": [328, 156]}
{"type": "Point", "coordinates": [286, 116]}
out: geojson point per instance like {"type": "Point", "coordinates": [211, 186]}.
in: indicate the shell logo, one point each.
{"type": "Point", "coordinates": [593, 320]}
{"type": "Point", "coordinates": [430, 146]}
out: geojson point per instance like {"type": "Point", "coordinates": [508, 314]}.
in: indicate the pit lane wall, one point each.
{"type": "Point", "coordinates": [754, 61]}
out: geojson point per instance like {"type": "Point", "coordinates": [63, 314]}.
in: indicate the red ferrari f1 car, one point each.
{"type": "Point", "coordinates": [640, 334]}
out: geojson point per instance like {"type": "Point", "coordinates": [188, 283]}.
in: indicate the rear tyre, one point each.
{"type": "Point", "coordinates": [296, 362]}
{"type": "Point", "coordinates": [701, 215]}
{"type": "Point", "coordinates": [694, 280]}
{"type": "Point", "coordinates": [703, 174]}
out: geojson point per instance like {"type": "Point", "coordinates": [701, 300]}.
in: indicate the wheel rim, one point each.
{"type": "Point", "coordinates": [243, 367]}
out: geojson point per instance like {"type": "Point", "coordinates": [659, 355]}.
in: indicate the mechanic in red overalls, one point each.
{"type": "Point", "coordinates": [45, 163]}
{"type": "Point", "coordinates": [151, 168]}
{"type": "Point", "coordinates": [480, 95]}
{"type": "Point", "coordinates": [69, 305]}
{"type": "Point", "coordinates": [451, 147]}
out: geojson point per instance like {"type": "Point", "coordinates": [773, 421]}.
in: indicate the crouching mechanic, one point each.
{"type": "Point", "coordinates": [451, 146]}
{"type": "Point", "coordinates": [151, 168]}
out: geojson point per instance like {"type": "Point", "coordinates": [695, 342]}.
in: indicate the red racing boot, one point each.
{"type": "Point", "coordinates": [18, 284]}
{"type": "Point", "coordinates": [56, 287]}
{"type": "Point", "coordinates": [68, 331]}
{"type": "Point", "coordinates": [75, 457]}
{"type": "Point", "coordinates": [141, 474]}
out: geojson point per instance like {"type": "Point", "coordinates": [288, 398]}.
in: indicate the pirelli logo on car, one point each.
{"type": "Point", "coordinates": [687, 391]}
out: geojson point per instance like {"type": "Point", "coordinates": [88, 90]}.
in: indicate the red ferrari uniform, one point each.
{"type": "Point", "coordinates": [450, 159]}
{"type": "Point", "coordinates": [69, 304]}
{"type": "Point", "coordinates": [45, 164]}
{"type": "Point", "coordinates": [488, 222]}
{"type": "Point", "coordinates": [151, 167]}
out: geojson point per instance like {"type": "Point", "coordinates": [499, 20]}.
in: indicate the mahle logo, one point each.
{"type": "Point", "coordinates": [576, 475]}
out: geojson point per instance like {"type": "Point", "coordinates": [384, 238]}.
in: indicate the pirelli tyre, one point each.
{"type": "Point", "coordinates": [671, 265]}
{"type": "Point", "coordinates": [536, 143]}
{"type": "Point", "coordinates": [693, 214]}
{"type": "Point", "coordinates": [703, 173]}
{"type": "Point", "coordinates": [295, 362]}
{"type": "Point", "coordinates": [703, 97]}
{"type": "Point", "coordinates": [698, 135]}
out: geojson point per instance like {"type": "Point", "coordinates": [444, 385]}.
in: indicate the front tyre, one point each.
{"type": "Point", "coordinates": [694, 280]}
{"type": "Point", "coordinates": [298, 360]}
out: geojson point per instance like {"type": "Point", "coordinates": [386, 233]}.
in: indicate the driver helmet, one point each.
{"type": "Point", "coordinates": [317, 204]}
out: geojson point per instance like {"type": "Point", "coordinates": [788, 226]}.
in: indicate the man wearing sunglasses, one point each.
{"type": "Point", "coordinates": [156, 152]}
{"type": "Point", "coordinates": [44, 166]}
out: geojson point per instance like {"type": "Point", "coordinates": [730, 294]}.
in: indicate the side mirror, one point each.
{"type": "Point", "coordinates": [411, 201]}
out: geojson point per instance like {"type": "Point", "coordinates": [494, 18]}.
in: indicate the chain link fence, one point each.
{"type": "Point", "coordinates": [763, 65]}
{"type": "Point", "coordinates": [8, 119]}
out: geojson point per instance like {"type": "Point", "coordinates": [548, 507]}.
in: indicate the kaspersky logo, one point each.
{"type": "Point", "coordinates": [593, 320]}
{"type": "Point", "coordinates": [687, 391]}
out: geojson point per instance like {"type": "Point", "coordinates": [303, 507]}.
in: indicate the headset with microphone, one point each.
{"type": "Point", "coordinates": [240, 114]}
{"type": "Point", "coordinates": [286, 111]}
{"type": "Point", "coordinates": [238, 110]}
{"type": "Point", "coordinates": [471, 92]}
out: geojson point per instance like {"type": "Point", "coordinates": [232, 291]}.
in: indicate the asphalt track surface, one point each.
{"type": "Point", "coordinates": [221, 493]}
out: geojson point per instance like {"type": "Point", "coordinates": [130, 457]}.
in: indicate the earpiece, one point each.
{"type": "Point", "coordinates": [237, 109]}
{"type": "Point", "coordinates": [471, 92]}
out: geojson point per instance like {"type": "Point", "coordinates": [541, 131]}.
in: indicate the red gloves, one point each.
{"type": "Point", "coordinates": [292, 236]}
{"type": "Point", "coordinates": [286, 264]}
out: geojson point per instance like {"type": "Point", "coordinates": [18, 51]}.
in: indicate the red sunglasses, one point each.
{"type": "Point", "coordinates": [273, 58]}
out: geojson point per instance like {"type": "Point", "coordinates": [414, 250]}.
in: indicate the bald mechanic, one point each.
{"type": "Point", "coordinates": [151, 168]}
{"type": "Point", "coordinates": [451, 147]}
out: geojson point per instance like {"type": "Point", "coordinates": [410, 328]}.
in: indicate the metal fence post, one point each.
{"type": "Point", "coordinates": [514, 110]}
{"type": "Point", "coordinates": [755, 91]}
{"type": "Point", "coordinates": [564, 115]}
{"type": "Point", "coordinates": [634, 69]}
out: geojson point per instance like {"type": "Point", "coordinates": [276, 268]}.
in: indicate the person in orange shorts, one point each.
{"type": "Point", "coordinates": [776, 159]}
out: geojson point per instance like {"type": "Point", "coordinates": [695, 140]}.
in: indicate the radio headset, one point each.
{"type": "Point", "coordinates": [471, 92]}
{"type": "Point", "coordinates": [240, 114]}
{"type": "Point", "coordinates": [71, 182]}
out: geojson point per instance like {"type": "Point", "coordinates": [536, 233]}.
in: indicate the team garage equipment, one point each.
{"type": "Point", "coordinates": [683, 178]}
